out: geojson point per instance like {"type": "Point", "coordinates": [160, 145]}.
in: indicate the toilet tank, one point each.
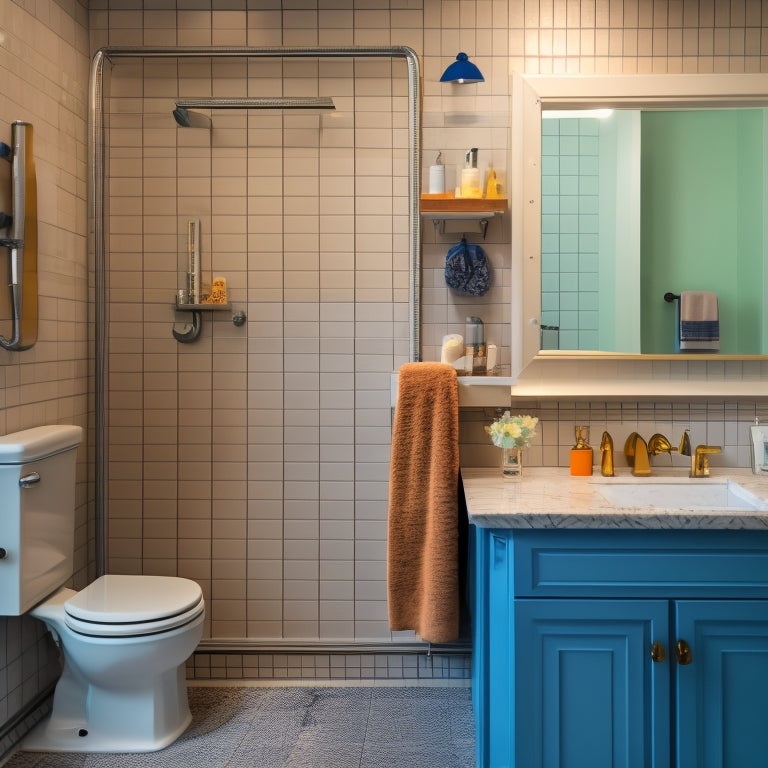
{"type": "Point", "coordinates": [37, 514]}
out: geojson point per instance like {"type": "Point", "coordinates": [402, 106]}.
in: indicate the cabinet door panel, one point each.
{"type": "Point", "coordinates": [587, 691]}
{"type": "Point", "coordinates": [722, 695]}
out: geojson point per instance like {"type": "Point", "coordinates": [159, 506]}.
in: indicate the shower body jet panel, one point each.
{"type": "Point", "coordinates": [22, 243]}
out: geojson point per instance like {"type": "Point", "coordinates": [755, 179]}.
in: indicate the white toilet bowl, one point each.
{"type": "Point", "coordinates": [125, 641]}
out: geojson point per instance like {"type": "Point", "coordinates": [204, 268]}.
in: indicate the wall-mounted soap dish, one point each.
{"type": "Point", "coordinates": [193, 331]}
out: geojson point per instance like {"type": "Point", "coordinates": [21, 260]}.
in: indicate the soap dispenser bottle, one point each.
{"type": "Point", "coordinates": [581, 454]}
{"type": "Point", "coordinates": [470, 176]}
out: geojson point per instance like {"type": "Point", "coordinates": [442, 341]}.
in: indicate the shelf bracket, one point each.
{"type": "Point", "coordinates": [481, 226]}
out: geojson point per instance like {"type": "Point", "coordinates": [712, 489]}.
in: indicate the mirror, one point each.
{"type": "Point", "coordinates": [657, 101]}
{"type": "Point", "coordinates": [639, 204]}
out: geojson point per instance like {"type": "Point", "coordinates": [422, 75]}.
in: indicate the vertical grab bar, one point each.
{"type": "Point", "coordinates": [22, 244]}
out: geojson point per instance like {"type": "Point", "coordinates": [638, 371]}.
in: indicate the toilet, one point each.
{"type": "Point", "coordinates": [124, 639]}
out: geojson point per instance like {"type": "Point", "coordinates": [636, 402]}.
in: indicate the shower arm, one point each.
{"type": "Point", "coordinates": [258, 102]}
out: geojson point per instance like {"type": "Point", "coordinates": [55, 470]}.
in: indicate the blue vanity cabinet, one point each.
{"type": "Point", "coordinates": [576, 660]}
{"type": "Point", "coordinates": [722, 695]}
{"type": "Point", "coordinates": [588, 692]}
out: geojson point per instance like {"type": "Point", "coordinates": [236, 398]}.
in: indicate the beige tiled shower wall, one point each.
{"type": "Point", "coordinates": [255, 460]}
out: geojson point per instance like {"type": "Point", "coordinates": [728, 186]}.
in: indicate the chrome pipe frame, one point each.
{"type": "Point", "coordinates": [96, 208]}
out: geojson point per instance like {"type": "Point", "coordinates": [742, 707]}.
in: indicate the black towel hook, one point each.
{"type": "Point", "coordinates": [670, 297]}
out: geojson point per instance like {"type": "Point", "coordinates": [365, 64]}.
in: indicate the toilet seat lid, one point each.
{"type": "Point", "coordinates": [123, 599]}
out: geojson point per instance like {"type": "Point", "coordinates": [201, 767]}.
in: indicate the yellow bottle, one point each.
{"type": "Point", "coordinates": [581, 454]}
{"type": "Point", "coordinates": [492, 186]}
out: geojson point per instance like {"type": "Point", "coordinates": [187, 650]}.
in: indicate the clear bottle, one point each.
{"type": "Point", "coordinates": [475, 360]}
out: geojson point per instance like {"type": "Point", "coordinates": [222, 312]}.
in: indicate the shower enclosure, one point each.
{"type": "Point", "coordinates": [255, 460]}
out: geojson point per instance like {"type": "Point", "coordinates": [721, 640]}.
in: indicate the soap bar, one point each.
{"type": "Point", "coordinates": [581, 462]}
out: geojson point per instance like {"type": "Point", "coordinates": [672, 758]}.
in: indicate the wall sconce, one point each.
{"type": "Point", "coordinates": [462, 71]}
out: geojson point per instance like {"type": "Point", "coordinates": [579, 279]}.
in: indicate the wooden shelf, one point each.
{"type": "Point", "coordinates": [437, 206]}
{"type": "Point", "coordinates": [441, 208]}
{"type": "Point", "coordinates": [201, 307]}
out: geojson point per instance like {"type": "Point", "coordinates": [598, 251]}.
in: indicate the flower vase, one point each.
{"type": "Point", "coordinates": [512, 463]}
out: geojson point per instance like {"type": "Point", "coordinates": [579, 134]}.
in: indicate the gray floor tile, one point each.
{"type": "Point", "coordinates": [298, 727]}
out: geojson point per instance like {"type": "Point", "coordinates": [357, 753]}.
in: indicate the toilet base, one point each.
{"type": "Point", "coordinates": [57, 736]}
{"type": "Point", "coordinates": [104, 721]}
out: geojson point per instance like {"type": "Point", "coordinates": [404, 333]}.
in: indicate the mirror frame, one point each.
{"type": "Point", "coordinates": [537, 371]}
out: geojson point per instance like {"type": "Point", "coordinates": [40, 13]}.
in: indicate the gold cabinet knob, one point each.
{"type": "Point", "coordinates": [684, 655]}
{"type": "Point", "coordinates": [657, 652]}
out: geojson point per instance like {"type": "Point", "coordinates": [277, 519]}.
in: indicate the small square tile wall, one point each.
{"type": "Point", "coordinates": [255, 460]}
{"type": "Point", "coordinates": [285, 667]}
{"type": "Point", "coordinates": [721, 423]}
{"type": "Point", "coordinates": [44, 71]}
{"type": "Point", "coordinates": [570, 199]}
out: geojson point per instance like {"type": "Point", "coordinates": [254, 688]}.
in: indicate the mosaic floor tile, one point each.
{"type": "Point", "coordinates": [302, 727]}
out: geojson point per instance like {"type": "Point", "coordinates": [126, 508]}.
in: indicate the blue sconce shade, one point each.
{"type": "Point", "coordinates": [462, 71]}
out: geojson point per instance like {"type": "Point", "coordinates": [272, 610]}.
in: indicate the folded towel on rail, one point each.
{"type": "Point", "coordinates": [422, 546]}
{"type": "Point", "coordinates": [699, 327]}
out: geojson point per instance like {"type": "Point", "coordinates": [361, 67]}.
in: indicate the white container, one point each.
{"type": "Point", "coordinates": [436, 179]}
{"type": "Point", "coordinates": [470, 183]}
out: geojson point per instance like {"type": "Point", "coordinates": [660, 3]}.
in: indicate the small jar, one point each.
{"type": "Point", "coordinates": [581, 454]}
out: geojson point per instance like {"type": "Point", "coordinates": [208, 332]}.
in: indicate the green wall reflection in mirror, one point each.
{"type": "Point", "coordinates": [636, 204]}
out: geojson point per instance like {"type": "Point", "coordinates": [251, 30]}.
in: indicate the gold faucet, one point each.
{"type": "Point", "coordinates": [700, 459]}
{"type": "Point", "coordinates": [606, 455]}
{"type": "Point", "coordinates": [659, 444]}
{"type": "Point", "coordinates": [636, 452]}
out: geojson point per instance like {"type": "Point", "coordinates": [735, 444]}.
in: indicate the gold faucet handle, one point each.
{"type": "Point", "coordinates": [659, 444]}
{"type": "Point", "coordinates": [629, 448]}
{"type": "Point", "coordinates": [685, 443]}
{"type": "Point", "coordinates": [606, 455]}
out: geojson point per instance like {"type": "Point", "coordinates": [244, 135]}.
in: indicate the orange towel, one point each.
{"type": "Point", "coordinates": [422, 564]}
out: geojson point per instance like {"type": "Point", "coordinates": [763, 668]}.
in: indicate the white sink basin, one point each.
{"type": "Point", "coordinates": [679, 494]}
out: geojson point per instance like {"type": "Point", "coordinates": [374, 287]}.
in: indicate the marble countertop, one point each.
{"type": "Point", "coordinates": [548, 497]}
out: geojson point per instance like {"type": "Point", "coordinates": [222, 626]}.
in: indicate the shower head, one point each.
{"type": "Point", "coordinates": [187, 119]}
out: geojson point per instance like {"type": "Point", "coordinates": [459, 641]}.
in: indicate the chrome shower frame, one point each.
{"type": "Point", "coordinates": [96, 209]}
